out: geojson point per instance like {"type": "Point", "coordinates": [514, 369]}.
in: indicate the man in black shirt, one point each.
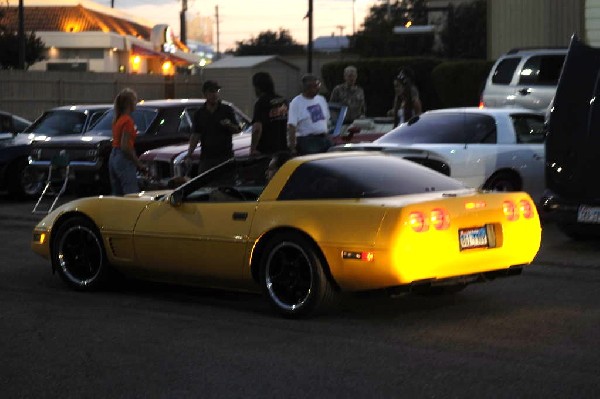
{"type": "Point", "coordinates": [269, 122]}
{"type": "Point", "coordinates": [212, 126]}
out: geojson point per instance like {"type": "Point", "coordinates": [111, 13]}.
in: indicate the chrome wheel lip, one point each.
{"type": "Point", "coordinates": [271, 287]}
{"type": "Point", "coordinates": [32, 181]}
{"type": "Point", "coordinates": [63, 262]}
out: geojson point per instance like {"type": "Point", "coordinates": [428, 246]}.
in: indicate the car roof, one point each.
{"type": "Point", "coordinates": [81, 107]}
{"type": "Point", "coordinates": [487, 110]}
{"type": "Point", "coordinates": [536, 51]}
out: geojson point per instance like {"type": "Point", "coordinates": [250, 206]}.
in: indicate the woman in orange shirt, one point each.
{"type": "Point", "coordinates": [123, 162]}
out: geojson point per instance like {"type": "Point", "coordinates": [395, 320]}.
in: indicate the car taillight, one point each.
{"type": "Point", "coordinates": [440, 219]}
{"type": "Point", "coordinates": [481, 104]}
{"type": "Point", "coordinates": [526, 209]}
{"type": "Point", "coordinates": [417, 221]}
{"type": "Point", "coordinates": [510, 210]}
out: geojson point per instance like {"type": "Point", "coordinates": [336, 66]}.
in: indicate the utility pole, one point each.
{"type": "Point", "coordinates": [218, 33]}
{"type": "Point", "coordinates": [182, 24]}
{"type": "Point", "coordinates": [21, 35]}
{"type": "Point", "coordinates": [310, 36]}
{"type": "Point", "coordinates": [353, 19]}
{"type": "Point", "coordinates": [341, 28]}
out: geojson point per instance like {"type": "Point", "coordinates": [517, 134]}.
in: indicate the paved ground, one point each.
{"type": "Point", "coordinates": [556, 249]}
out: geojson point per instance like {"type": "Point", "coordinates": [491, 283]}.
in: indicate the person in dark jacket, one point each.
{"type": "Point", "coordinates": [213, 126]}
{"type": "Point", "coordinates": [269, 121]}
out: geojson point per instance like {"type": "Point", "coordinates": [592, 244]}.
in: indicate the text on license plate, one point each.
{"type": "Point", "coordinates": [475, 237]}
{"type": "Point", "coordinates": [588, 214]}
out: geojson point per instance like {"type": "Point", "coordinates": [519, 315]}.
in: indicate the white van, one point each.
{"type": "Point", "coordinates": [524, 78]}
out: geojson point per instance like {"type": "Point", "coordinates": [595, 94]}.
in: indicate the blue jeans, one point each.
{"type": "Point", "coordinates": [312, 144]}
{"type": "Point", "coordinates": [123, 174]}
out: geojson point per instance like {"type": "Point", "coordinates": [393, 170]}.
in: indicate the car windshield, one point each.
{"type": "Point", "coordinates": [142, 118]}
{"type": "Point", "coordinates": [443, 128]}
{"type": "Point", "coordinates": [364, 176]}
{"type": "Point", "coordinates": [53, 123]}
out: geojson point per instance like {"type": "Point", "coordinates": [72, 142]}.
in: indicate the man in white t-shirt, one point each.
{"type": "Point", "coordinates": [308, 119]}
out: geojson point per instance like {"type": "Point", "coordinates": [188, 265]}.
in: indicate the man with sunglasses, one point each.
{"type": "Point", "coordinates": [308, 120]}
{"type": "Point", "coordinates": [213, 126]}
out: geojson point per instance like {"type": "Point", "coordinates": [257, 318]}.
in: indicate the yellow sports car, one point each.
{"type": "Point", "coordinates": [321, 225]}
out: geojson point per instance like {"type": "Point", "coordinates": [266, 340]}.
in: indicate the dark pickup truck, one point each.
{"type": "Point", "coordinates": [159, 123]}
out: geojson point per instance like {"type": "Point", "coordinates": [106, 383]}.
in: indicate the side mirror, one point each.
{"type": "Point", "coordinates": [176, 198]}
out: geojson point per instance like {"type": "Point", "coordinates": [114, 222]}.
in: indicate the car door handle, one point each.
{"type": "Point", "coordinates": [240, 216]}
{"type": "Point", "coordinates": [524, 92]}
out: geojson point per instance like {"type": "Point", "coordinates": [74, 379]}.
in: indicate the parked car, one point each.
{"type": "Point", "coordinates": [323, 224]}
{"type": "Point", "coordinates": [11, 124]}
{"type": "Point", "coordinates": [495, 149]}
{"type": "Point", "coordinates": [524, 78]}
{"type": "Point", "coordinates": [165, 164]}
{"type": "Point", "coordinates": [159, 123]}
{"type": "Point", "coordinates": [573, 146]}
{"type": "Point", "coordinates": [70, 120]}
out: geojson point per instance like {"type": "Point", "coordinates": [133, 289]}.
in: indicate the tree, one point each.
{"type": "Point", "coordinates": [35, 49]}
{"type": "Point", "coordinates": [269, 43]}
{"type": "Point", "coordinates": [377, 38]}
{"type": "Point", "coordinates": [465, 33]}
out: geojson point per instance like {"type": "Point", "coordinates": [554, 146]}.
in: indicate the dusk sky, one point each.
{"type": "Point", "coordinates": [243, 19]}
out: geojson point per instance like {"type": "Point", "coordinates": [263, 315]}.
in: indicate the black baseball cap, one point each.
{"type": "Point", "coordinates": [210, 85]}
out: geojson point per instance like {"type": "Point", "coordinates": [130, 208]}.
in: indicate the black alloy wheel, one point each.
{"type": "Point", "coordinates": [293, 278]}
{"type": "Point", "coordinates": [78, 254]}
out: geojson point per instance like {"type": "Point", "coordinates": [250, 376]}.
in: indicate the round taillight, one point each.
{"type": "Point", "coordinates": [526, 209]}
{"type": "Point", "coordinates": [510, 210]}
{"type": "Point", "coordinates": [440, 219]}
{"type": "Point", "coordinates": [417, 221]}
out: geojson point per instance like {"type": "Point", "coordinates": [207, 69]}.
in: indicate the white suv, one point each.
{"type": "Point", "coordinates": [524, 78]}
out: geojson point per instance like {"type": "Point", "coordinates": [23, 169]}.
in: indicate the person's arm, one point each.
{"type": "Point", "coordinates": [291, 138]}
{"type": "Point", "coordinates": [256, 133]}
{"type": "Point", "coordinates": [194, 138]}
{"type": "Point", "coordinates": [129, 151]}
{"type": "Point", "coordinates": [363, 105]}
{"type": "Point", "coordinates": [335, 95]}
{"type": "Point", "coordinates": [417, 107]}
{"type": "Point", "coordinates": [230, 123]}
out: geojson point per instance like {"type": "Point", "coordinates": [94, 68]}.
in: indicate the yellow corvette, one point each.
{"type": "Point", "coordinates": [323, 224]}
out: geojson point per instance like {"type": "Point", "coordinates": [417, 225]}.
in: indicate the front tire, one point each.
{"type": "Point", "coordinates": [292, 276]}
{"type": "Point", "coordinates": [24, 180]}
{"type": "Point", "coordinates": [79, 256]}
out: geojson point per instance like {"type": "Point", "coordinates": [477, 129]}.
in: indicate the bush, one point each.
{"type": "Point", "coordinates": [441, 84]}
{"type": "Point", "coordinates": [460, 83]}
{"type": "Point", "coordinates": [376, 77]}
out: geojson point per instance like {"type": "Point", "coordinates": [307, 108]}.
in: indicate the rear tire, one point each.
{"type": "Point", "coordinates": [502, 182]}
{"type": "Point", "coordinates": [293, 278]}
{"type": "Point", "coordinates": [78, 254]}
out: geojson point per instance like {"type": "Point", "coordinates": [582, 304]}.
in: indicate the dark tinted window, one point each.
{"type": "Point", "coordinates": [542, 70]}
{"type": "Point", "coordinates": [59, 122]}
{"type": "Point", "coordinates": [529, 128]}
{"type": "Point", "coordinates": [169, 120]}
{"type": "Point", "coordinates": [444, 128]}
{"type": "Point", "coordinates": [363, 177]}
{"type": "Point", "coordinates": [142, 117]}
{"type": "Point", "coordinates": [6, 124]}
{"type": "Point", "coordinates": [95, 117]}
{"type": "Point", "coordinates": [505, 70]}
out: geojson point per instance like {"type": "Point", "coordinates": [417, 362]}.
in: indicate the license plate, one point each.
{"type": "Point", "coordinates": [475, 237]}
{"type": "Point", "coordinates": [588, 214]}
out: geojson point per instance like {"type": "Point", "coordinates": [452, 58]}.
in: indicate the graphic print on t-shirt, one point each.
{"type": "Point", "coordinates": [316, 113]}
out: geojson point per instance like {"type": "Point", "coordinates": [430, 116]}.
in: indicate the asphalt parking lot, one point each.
{"type": "Point", "coordinates": [556, 248]}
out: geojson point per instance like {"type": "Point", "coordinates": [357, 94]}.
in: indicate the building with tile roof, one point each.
{"type": "Point", "coordinates": [85, 36]}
